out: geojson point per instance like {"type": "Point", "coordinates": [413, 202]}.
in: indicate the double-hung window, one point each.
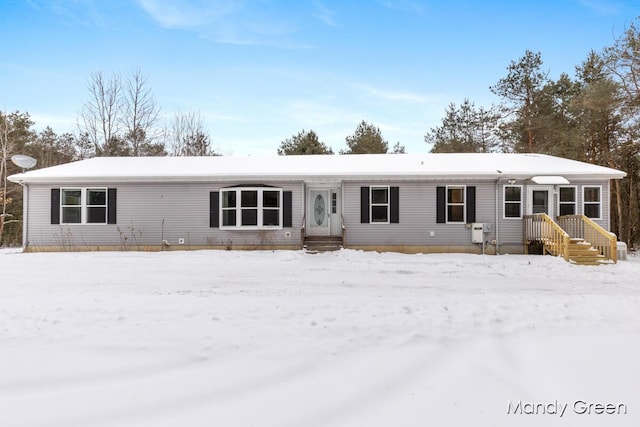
{"type": "Point", "coordinates": [83, 205]}
{"type": "Point", "coordinates": [455, 203]}
{"type": "Point", "coordinates": [567, 201]}
{"type": "Point", "coordinates": [71, 205]}
{"type": "Point", "coordinates": [513, 201]}
{"type": "Point", "coordinates": [251, 208]}
{"type": "Point", "coordinates": [380, 204]}
{"type": "Point", "coordinates": [592, 201]}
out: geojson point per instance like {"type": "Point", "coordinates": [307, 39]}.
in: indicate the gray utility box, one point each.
{"type": "Point", "coordinates": [477, 232]}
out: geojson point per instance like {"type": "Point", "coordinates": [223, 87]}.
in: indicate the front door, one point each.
{"type": "Point", "coordinates": [539, 201]}
{"type": "Point", "coordinates": [318, 213]}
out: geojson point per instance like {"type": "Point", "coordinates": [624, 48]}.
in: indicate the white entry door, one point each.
{"type": "Point", "coordinates": [540, 201]}
{"type": "Point", "coordinates": [318, 213]}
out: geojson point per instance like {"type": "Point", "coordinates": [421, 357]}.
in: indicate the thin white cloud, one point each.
{"type": "Point", "coordinates": [60, 123]}
{"type": "Point", "coordinates": [403, 5]}
{"type": "Point", "coordinates": [234, 22]}
{"type": "Point", "coordinates": [190, 14]}
{"type": "Point", "coordinates": [393, 96]}
{"type": "Point", "coordinates": [324, 14]}
{"type": "Point", "coordinates": [76, 12]}
{"type": "Point", "coordinates": [210, 115]}
{"type": "Point", "coordinates": [603, 7]}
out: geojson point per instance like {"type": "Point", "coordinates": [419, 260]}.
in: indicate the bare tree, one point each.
{"type": "Point", "coordinates": [5, 149]}
{"type": "Point", "coordinates": [15, 134]}
{"type": "Point", "coordinates": [99, 119]}
{"type": "Point", "coordinates": [119, 118]}
{"type": "Point", "coordinates": [187, 136]}
{"type": "Point", "coordinates": [140, 113]}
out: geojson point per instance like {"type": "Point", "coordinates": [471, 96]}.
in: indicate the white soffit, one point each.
{"type": "Point", "coordinates": [550, 180]}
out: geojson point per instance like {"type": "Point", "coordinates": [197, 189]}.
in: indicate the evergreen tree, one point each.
{"type": "Point", "coordinates": [50, 149]}
{"type": "Point", "coordinates": [465, 129]}
{"type": "Point", "coordinates": [398, 149]}
{"type": "Point", "coordinates": [366, 139]}
{"type": "Point", "coordinates": [521, 89]}
{"type": "Point", "coordinates": [303, 143]}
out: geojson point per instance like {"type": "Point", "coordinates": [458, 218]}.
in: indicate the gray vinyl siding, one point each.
{"type": "Point", "coordinates": [511, 229]}
{"type": "Point", "coordinates": [150, 213]}
{"type": "Point", "coordinates": [417, 207]}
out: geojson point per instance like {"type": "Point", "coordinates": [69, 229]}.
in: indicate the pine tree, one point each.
{"type": "Point", "coordinates": [303, 143]}
{"type": "Point", "coordinates": [366, 139]}
{"type": "Point", "coordinates": [465, 129]}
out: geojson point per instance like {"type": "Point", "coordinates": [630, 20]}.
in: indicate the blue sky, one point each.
{"type": "Point", "coordinates": [260, 71]}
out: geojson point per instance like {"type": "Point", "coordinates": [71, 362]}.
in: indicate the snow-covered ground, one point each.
{"type": "Point", "coordinates": [289, 339]}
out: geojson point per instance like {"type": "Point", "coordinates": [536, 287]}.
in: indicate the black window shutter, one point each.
{"type": "Point", "coordinates": [287, 208]}
{"type": "Point", "coordinates": [394, 207]}
{"type": "Point", "coordinates": [55, 206]}
{"type": "Point", "coordinates": [214, 209]}
{"type": "Point", "coordinates": [112, 199]}
{"type": "Point", "coordinates": [471, 204]}
{"type": "Point", "coordinates": [441, 206]}
{"type": "Point", "coordinates": [364, 205]}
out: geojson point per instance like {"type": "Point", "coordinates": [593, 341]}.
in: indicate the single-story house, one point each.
{"type": "Point", "coordinates": [410, 203]}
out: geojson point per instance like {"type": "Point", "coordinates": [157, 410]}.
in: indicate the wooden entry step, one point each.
{"type": "Point", "coordinates": [315, 244]}
{"type": "Point", "coordinates": [581, 252]}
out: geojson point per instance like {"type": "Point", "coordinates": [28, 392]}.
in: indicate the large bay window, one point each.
{"type": "Point", "coordinates": [251, 208]}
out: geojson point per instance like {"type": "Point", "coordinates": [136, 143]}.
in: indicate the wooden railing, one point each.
{"type": "Point", "coordinates": [584, 228]}
{"type": "Point", "coordinates": [541, 228]}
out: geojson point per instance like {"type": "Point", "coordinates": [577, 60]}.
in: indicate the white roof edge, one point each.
{"type": "Point", "coordinates": [486, 166]}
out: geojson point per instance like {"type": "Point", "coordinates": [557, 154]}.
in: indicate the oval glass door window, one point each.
{"type": "Point", "coordinates": [319, 210]}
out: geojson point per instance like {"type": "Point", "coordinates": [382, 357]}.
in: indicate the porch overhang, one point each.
{"type": "Point", "coordinates": [549, 179]}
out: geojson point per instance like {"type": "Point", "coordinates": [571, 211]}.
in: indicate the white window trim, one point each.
{"type": "Point", "coordinates": [575, 202]}
{"type": "Point", "coordinates": [260, 208]}
{"type": "Point", "coordinates": [505, 201]}
{"type": "Point", "coordinates": [584, 188]}
{"type": "Point", "coordinates": [447, 204]}
{"type": "Point", "coordinates": [84, 205]}
{"type": "Point", "coordinates": [388, 204]}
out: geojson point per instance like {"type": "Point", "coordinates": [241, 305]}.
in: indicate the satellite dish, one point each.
{"type": "Point", "coordinates": [23, 161]}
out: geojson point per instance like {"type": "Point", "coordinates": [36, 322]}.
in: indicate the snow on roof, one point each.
{"type": "Point", "coordinates": [363, 166]}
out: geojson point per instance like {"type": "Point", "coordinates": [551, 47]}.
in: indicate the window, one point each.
{"type": "Point", "coordinates": [271, 208]}
{"type": "Point", "coordinates": [380, 205]}
{"type": "Point", "coordinates": [591, 202]}
{"type": "Point", "coordinates": [83, 206]}
{"type": "Point", "coordinates": [229, 208]}
{"type": "Point", "coordinates": [334, 202]}
{"type": "Point", "coordinates": [455, 204]}
{"type": "Point", "coordinates": [567, 201]}
{"type": "Point", "coordinates": [96, 206]}
{"type": "Point", "coordinates": [71, 205]}
{"type": "Point", "coordinates": [513, 201]}
{"type": "Point", "coordinates": [251, 208]}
